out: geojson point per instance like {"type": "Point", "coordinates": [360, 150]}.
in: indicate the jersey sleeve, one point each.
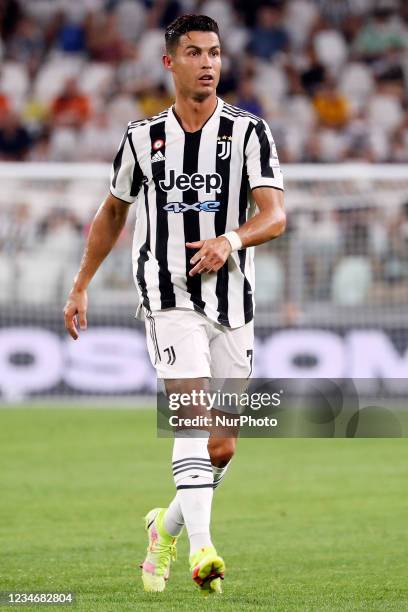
{"type": "Point", "coordinates": [126, 173]}
{"type": "Point", "coordinates": [262, 158]}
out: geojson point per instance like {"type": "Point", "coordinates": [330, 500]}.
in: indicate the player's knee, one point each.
{"type": "Point", "coordinates": [221, 450]}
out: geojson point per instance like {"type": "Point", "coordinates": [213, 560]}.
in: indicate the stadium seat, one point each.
{"type": "Point", "coordinates": [269, 279]}
{"type": "Point", "coordinates": [123, 109]}
{"type": "Point", "coordinates": [40, 279]}
{"type": "Point", "coordinates": [270, 82]}
{"type": "Point", "coordinates": [96, 78]}
{"type": "Point", "coordinates": [331, 49]}
{"type": "Point", "coordinates": [53, 74]}
{"type": "Point", "coordinates": [385, 112]}
{"type": "Point", "coordinates": [63, 145]}
{"type": "Point", "coordinates": [6, 278]}
{"type": "Point", "coordinates": [351, 280]}
{"type": "Point", "coordinates": [356, 83]}
{"type": "Point", "coordinates": [300, 18]}
{"type": "Point", "coordinates": [14, 82]}
{"type": "Point", "coordinates": [131, 17]}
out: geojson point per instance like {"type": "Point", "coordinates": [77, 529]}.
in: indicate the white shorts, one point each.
{"type": "Point", "coordinates": [185, 344]}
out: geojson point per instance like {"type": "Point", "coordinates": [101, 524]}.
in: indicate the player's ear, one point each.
{"type": "Point", "coordinates": [167, 62]}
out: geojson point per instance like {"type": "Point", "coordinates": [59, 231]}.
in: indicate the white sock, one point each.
{"type": "Point", "coordinates": [173, 519]}
{"type": "Point", "coordinates": [193, 476]}
{"type": "Point", "coordinates": [219, 473]}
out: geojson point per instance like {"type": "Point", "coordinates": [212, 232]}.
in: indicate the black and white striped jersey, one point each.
{"type": "Point", "coordinates": [189, 187]}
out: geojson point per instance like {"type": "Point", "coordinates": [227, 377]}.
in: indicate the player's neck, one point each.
{"type": "Point", "coordinates": [192, 114]}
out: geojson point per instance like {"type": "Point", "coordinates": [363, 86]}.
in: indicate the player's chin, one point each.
{"type": "Point", "coordinates": [201, 93]}
{"type": "Point", "coordinates": [205, 90]}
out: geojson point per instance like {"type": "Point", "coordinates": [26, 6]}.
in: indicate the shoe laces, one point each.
{"type": "Point", "coordinates": [167, 553]}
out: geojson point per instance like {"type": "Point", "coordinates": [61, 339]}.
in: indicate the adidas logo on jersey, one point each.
{"type": "Point", "coordinates": [158, 157]}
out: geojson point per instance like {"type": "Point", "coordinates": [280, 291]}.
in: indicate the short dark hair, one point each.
{"type": "Point", "coordinates": [188, 23]}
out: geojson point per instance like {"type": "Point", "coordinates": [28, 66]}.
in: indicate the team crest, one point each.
{"type": "Point", "coordinates": [224, 147]}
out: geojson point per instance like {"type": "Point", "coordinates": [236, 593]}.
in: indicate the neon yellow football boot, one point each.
{"type": "Point", "coordinates": [207, 570]}
{"type": "Point", "coordinates": [161, 551]}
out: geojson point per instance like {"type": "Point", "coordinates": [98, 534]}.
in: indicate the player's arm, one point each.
{"type": "Point", "coordinates": [268, 223]}
{"type": "Point", "coordinates": [270, 220]}
{"type": "Point", "coordinates": [105, 230]}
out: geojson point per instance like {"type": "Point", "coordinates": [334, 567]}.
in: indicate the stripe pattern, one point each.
{"type": "Point", "coordinates": [190, 187]}
{"type": "Point", "coordinates": [192, 467]}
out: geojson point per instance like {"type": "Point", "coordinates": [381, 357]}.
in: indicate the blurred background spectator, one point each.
{"type": "Point", "coordinates": [329, 76]}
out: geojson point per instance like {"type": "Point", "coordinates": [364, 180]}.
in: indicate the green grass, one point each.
{"type": "Point", "coordinates": [302, 524]}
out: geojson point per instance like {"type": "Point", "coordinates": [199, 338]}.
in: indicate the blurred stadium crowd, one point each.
{"type": "Point", "coordinates": [329, 76]}
{"type": "Point", "coordinates": [332, 254]}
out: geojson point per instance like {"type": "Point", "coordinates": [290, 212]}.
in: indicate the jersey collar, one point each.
{"type": "Point", "coordinates": [207, 125]}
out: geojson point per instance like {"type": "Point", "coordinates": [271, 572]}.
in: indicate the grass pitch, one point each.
{"type": "Point", "coordinates": [302, 524]}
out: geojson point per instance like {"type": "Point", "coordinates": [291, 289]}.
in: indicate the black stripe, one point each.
{"type": "Point", "coordinates": [151, 336]}
{"type": "Point", "coordinates": [241, 111]}
{"type": "Point", "coordinates": [191, 459]}
{"type": "Point", "coordinates": [188, 469]}
{"type": "Point", "coordinates": [243, 204]}
{"type": "Point", "coordinates": [167, 297]}
{"type": "Point", "coordinates": [144, 255]}
{"type": "Point", "coordinates": [117, 162]}
{"type": "Point", "coordinates": [138, 176]}
{"type": "Point", "coordinates": [269, 187]}
{"type": "Point", "coordinates": [237, 115]}
{"type": "Point", "coordinates": [139, 122]}
{"type": "Point", "coordinates": [155, 336]}
{"type": "Point", "coordinates": [202, 486]}
{"type": "Point", "coordinates": [191, 218]}
{"type": "Point", "coordinates": [265, 157]}
{"type": "Point", "coordinates": [189, 464]}
{"type": "Point", "coordinates": [222, 167]}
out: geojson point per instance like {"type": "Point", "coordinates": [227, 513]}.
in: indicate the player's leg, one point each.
{"type": "Point", "coordinates": [192, 466]}
{"type": "Point", "coordinates": [179, 349]}
{"type": "Point", "coordinates": [231, 361]}
{"type": "Point", "coordinates": [193, 477]}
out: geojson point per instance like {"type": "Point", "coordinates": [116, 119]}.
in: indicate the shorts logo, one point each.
{"type": "Point", "coordinates": [182, 207]}
{"type": "Point", "coordinates": [196, 181]}
{"type": "Point", "coordinates": [224, 147]}
{"type": "Point", "coordinates": [171, 355]}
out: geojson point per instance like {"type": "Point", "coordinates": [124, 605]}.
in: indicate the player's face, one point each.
{"type": "Point", "coordinates": [196, 64]}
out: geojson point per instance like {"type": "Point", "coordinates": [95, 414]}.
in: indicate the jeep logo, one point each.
{"type": "Point", "coordinates": [195, 181]}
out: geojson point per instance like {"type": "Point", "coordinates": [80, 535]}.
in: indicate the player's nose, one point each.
{"type": "Point", "coordinates": [206, 59]}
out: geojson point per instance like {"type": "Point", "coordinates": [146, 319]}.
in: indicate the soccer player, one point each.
{"type": "Point", "coordinates": [206, 183]}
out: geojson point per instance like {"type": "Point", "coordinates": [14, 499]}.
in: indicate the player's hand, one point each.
{"type": "Point", "coordinates": [212, 255]}
{"type": "Point", "coordinates": [75, 312]}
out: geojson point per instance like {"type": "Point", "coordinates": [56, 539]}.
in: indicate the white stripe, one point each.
{"type": "Point", "coordinates": [176, 244]}
{"type": "Point", "coordinates": [207, 158]}
{"type": "Point", "coordinates": [236, 284]}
